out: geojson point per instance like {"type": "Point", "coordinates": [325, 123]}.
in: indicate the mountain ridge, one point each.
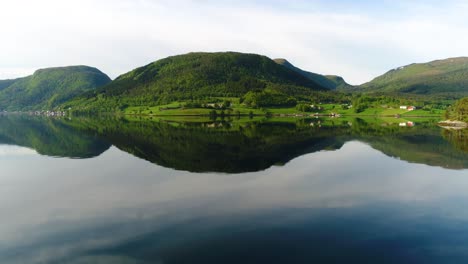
{"type": "Point", "coordinates": [332, 82]}
{"type": "Point", "coordinates": [443, 76]}
{"type": "Point", "coordinates": [197, 75]}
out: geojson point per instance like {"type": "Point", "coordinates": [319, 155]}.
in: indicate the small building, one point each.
{"type": "Point", "coordinates": [409, 108]}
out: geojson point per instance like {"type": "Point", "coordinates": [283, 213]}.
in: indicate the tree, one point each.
{"type": "Point", "coordinates": [304, 108]}
{"type": "Point", "coordinates": [459, 111]}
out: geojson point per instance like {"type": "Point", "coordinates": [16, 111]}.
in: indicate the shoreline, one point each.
{"type": "Point", "coordinates": [453, 124]}
{"type": "Point", "coordinates": [285, 115]}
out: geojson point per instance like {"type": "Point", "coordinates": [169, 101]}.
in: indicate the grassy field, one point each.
{"type": "Point", "coordinates": [178, 109]}
{"type": "Point", "coordinates": [421, 112]}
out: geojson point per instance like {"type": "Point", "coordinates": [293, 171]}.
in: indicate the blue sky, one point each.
{"type": "Point", "coordinates": [358, 40]}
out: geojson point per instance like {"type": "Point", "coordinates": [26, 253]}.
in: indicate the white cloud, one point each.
{"type": "Point", "coordinates": [117, 36]}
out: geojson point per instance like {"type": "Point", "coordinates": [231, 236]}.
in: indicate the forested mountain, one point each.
{"type": "Point", "coordinates": [448, 78]}
{"type": "Point", "coordinates": [331, 82]}
{"type": "Point", "coordinates": [47, 88]}
{"type": "Point", "coordinates": [197, 76]}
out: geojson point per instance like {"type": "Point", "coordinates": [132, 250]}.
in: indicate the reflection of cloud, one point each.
{"type": "Point", "coordinates": [47, 201]}
{"type": "Point", "coordinates": [108, 259]}
{"type": "Point", "coordinates": [11, 151]}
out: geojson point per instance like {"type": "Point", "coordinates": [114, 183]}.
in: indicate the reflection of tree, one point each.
{"type": "Point", "coordinates": [458, 137]}
{"type": "Point", "coordinates": [253, 145]}
{"type": "Point", "coordinates": [217, 146]}
{"type": "Point", "coordinates": [51, 137]}
{"type": "Point", "coordinates": [420, 144]}
{"type": "Point", "coordinates": [231, 146]}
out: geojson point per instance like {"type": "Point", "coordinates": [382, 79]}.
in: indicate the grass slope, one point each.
{"type": "Point", "coordinates": [442, 77]}
{"type": "Point", "coordinates": [47, 88]}
{"type": "Point", "coordinates": [195, 76]}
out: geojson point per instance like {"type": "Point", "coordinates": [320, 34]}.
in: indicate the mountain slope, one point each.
{"type": "Point", "coordinates": [5, 83]}
{"type": "Point", "coordinates": [196, 76]}
{"type": "Point", "coordinates": [340, 83]}
{"type": "Point", "coordinates": [47, 88]}
{"type": "Point", "coordinates": [331, 82]}
{"type": "Point", "coordinates": [447, 77]}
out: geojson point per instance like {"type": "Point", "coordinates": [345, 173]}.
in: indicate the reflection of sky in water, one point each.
{"type": "Point", "coordinates": [117, 208]}
{"type": "Point", "coordinates": [7, 151]}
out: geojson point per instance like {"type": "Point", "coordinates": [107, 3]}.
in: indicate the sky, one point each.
{"type": "Point", "coordinates": [358, 39]}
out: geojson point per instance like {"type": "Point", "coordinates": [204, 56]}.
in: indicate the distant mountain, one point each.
{"type": "Point", "coordinates": [331, 82]}
{"type": "Point", "coordinates": [198, 75]}
{"type": "Point", "coordinates": [447, 77]}
{"type": "Point", "coordinates": [47, 88]}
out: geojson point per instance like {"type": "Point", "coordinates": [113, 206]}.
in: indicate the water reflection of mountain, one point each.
{"type": "Point", "coordinates": [231, 147]}
{"type": "Point", "coordinates": [458, 137]}
{"type": "Point", "coordinates": [234, 147]}
{"type": "Point", "coordinates": [217, 147]}
{"type": "Point", "coordinates": [423, 143]}
{"type": "Point", "coordinates": [50, 137]}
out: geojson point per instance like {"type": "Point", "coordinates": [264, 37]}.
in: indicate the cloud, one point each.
{"type": "Point", "coordinates": [357, 41]}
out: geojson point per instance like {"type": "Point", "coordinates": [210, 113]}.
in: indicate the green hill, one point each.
{"type": "Point", "coordinates": [196, 76]}
{"type": "Point", "coordinates": [331, 82]}
{"type": "Point", "coordinates": [446, 78]}
{"type": "Point", "coordinates": [47, 88]}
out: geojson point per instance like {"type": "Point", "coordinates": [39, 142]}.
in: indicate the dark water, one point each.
{"type": "Point", "coordinates": [280, 191]}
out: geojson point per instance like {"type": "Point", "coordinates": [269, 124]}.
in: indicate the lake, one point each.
{"type": "Point", "coordinates": [109, 190]}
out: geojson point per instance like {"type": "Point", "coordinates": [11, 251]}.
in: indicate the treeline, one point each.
{"type": "Point", "coordinates": [361, 102]}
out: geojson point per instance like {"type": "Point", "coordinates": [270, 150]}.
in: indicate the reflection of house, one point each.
{"type": "Point", "coordinates": [407, 124]}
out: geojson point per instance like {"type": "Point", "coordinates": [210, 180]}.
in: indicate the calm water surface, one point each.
{"type": "Point", "coordinates": [300, 191]}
